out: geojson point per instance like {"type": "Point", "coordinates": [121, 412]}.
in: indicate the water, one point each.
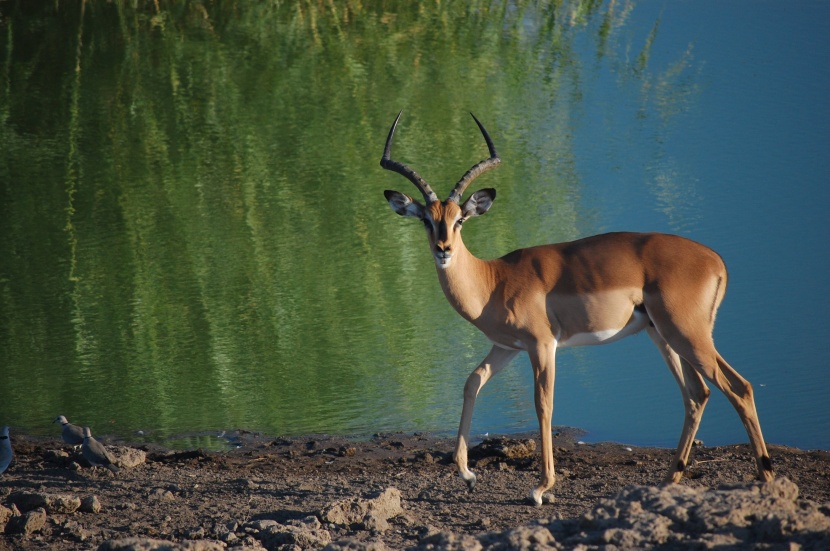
{"type": "Point", "coordinates": [193, 236]}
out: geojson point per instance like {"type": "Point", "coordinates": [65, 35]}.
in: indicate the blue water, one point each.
{"type": "Point", "coordinates": [741, 165]}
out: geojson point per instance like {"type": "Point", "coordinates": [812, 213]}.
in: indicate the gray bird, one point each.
{"type": "Point", "coordinates": [96, 454]}
{"type": "Point", "coordinates": [71, 434]}
{"type": "Point", "coordinates": [6, 454]}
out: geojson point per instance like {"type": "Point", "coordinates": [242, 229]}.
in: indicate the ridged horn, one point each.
{"type": "Point", "coordinates": [483, 166]}
{"type": "Point", "coordinates": [387, 163]}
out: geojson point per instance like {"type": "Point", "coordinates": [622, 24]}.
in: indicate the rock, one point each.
{"type": "Point", "coordinates": [350, 544]}
{"type": "Point", "coordinates": [62, 504]}
{"type": "Point", "coordinates": [741, 516]}
{"type": "Point", "coordinates": [75, 531]}
{"type": "Point", "coordinates": [128, 457]}
{"type": "Point", "coordinates": [160, 494]}
{"type": "Point", "coordinates": [448, 540]}
{"type": "Point", "coordinates": [346, 451]}
{"type": "Point", "coordinates": [53, 503]}
{"type": "Point", "coordinates": [375, 523]}
{"type": "Point", "coordinates": [274, 537]}
{"type": "Point", "coordinates": [224, 531]}
{"type": "Point", "coordinates": [257, 526]}
{"type": "Point", "coordinates": [27, 501]}
{"type": "Point", "coordinates": [371, 513]}
{"type": "Point", "coordinates": [90, 504]}
{"type": "Point", "coordinates": [482, 523]}
{"type": "Point", "coordinates": [5, 515]}
{"type": "Point", "coordinates": [538, 537]}
{"type": "Point", "coordinates": [195, 533]}
{"type": "Point", "coordinates": [310, 522]}
{"type": "Point", "coordinates": [303, 533]}
{"type": "Point", "coordinates": [646, 516]}
{"type": "Point", "coordinates": [56, 456]}
{"type": "Point", "coordinates": [507, 448]}
{"type": "Point", "coordinates": [27, 523]}
{"type": "Point", "coordinates": [150, 544]}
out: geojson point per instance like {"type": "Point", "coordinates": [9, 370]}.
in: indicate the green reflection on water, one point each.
{"type": "Point", "coordinates": [193, 230]}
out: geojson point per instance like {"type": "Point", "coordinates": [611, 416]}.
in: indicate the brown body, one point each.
{"type": "Point", "coordinates": [591, 291]}
{"type": "Point", "coordinates": [584, 287]}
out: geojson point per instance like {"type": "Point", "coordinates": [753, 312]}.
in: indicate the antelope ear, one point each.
{"type": "Point", "coordinates": [479, 202]}
{"type": "Point", "coordinates": [404, 204]}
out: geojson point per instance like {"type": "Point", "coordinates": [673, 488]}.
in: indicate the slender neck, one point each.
{"type": "Point", "coordinates": [467, 282]}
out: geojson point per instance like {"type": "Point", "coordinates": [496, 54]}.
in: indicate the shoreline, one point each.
{"type": "Point", "coordinates": [239, 437]}
{"type": "Point", "coordinates": [213, 496]}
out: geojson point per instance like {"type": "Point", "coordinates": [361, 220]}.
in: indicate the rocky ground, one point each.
{"type": "Point", "coordinates": [400, 491]}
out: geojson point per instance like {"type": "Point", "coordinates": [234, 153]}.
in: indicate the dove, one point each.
{"type": "Point", "coordinates": [71, 434]}
{"type": "Point", "coordinates": [95, 452]}
{"type": "Point", "coordinates": [6, 454]}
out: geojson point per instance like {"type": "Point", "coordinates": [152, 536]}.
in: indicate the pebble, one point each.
{"type": "Point", "coordinates": [90, 504]}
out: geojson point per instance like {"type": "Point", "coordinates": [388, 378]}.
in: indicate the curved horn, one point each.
{"type": "Point", "coordinates": [492, 162]}
{"type": "Point", "coordinates": [387, 163]}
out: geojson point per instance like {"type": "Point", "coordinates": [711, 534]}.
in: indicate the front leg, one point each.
{"type": "Point", "coordinates": [492, 364]}
{"type": "Point", "coordinates": [543, 360]}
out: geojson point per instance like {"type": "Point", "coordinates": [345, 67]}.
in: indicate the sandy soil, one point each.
{"type": "Point", "coordinates": [198, 495]}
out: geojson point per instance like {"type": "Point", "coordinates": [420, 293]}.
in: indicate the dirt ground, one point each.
{"type": "Point", "coordinates": [197, 495]}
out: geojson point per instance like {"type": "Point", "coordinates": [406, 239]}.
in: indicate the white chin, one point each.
{"type": "Point", "coordinates": [443, 264]}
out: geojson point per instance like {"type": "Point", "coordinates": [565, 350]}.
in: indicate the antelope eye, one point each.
{"type": "Point", "coordinates": [460, 222]}
{"type": "Point", "coordinates": [427, 223]}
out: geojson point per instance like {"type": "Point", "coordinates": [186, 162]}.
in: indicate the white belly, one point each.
{"type": "Point", "coordinates": [638, 322]}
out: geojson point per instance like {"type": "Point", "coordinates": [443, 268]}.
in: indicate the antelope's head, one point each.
{"type": "Point", "coordinates": [442, 219]}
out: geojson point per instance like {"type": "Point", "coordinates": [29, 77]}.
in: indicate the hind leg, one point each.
{"type": "Point", "coordinates": [741, 395]}
{"type": "Point", "coordinates": [685, 319]}
{"type": "Point", "coordinates": [739, 392]}
{"type": "Point", "coordinates": [695, 395]}
{"type": "Point", "coordinates": [697, 349]}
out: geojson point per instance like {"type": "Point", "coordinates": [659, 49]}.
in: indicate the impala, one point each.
{"type": "Point", "coordinates": [594, 290]}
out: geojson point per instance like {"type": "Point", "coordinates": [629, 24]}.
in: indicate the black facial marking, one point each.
{"type": "Point", "coordinates": [443, 231]}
